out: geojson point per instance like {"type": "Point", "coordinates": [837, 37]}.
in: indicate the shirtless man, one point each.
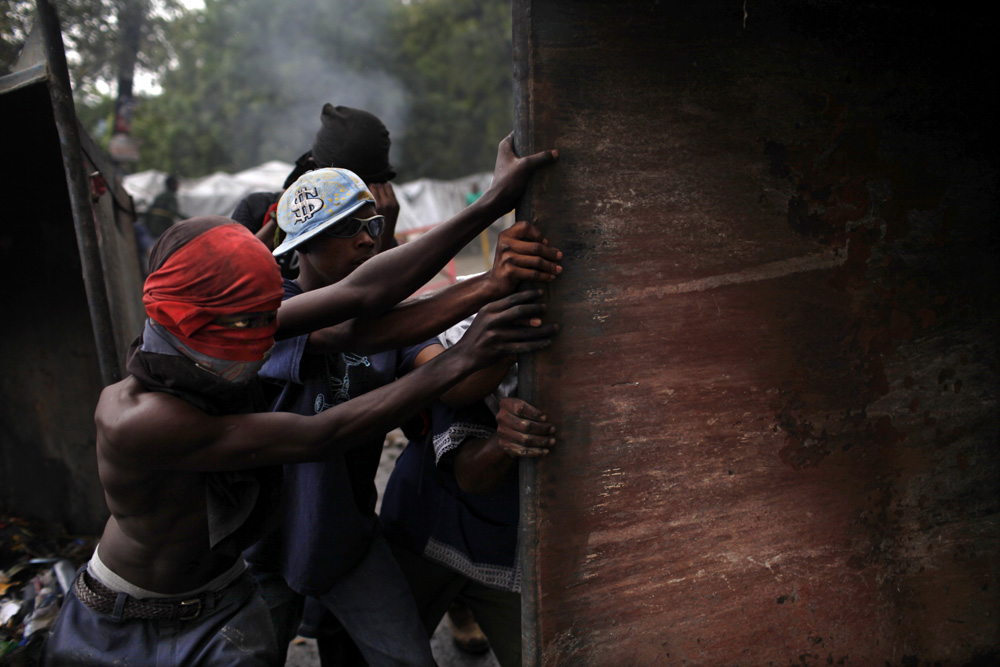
{"type": "Point", "coordinates": [182, 451]}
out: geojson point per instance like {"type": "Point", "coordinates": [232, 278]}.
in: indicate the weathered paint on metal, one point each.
{"type": "Point", "coordinates": [776, 382]}
{"type": "Point", "coordinates": [74, 292]}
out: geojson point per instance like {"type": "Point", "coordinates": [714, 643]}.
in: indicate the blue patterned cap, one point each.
{"type": "Point", "coordinates": [317, 200]}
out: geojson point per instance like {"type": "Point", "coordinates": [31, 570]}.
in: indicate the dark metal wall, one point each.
{"type": "Point", "coordinates": [776, 384]}
{"type": "Point", "coordinates": [64, 337]}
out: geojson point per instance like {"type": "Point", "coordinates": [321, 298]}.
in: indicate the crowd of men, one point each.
{"type": "Point", "coordinates": [238, 458]}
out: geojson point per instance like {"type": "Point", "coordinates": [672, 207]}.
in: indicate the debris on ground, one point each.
{"type": "Point", "coordinates": [38, 563]}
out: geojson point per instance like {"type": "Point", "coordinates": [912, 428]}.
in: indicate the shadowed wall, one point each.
{"type": "Point", "coordinates": [50, 357]}
{"type": "Point", "coordinates": [775, 386]}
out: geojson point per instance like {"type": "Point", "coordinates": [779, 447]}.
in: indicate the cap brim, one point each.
{"type": "Point", "coordinates": [291, 244]}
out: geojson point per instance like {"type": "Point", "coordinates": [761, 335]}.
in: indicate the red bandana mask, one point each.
{"type": "Point", "coordinates": [204, 273]}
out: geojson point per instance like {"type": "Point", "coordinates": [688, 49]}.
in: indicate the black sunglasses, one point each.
{"type": "Point", "coordinates": [348, 227]}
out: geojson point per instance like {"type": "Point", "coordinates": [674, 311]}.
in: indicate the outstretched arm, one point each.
{"type": "Point", "coordinates": [367, 291]}
{"type": "Point", "coordinates": [165, 433]}
{"type": "Point", "coordinates": [522, 254]}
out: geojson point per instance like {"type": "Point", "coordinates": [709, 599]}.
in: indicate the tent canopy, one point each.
{"type": "Point", "coordinates": [422, 203]}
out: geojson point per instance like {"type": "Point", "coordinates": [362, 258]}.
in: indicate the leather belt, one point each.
{"type": "Point", "coordinates": [99, 597]}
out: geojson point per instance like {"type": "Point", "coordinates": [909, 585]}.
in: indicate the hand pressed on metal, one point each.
{"type": "Point", "coordinates": [511, 173]}
{"type": "Point", "coordinates": [523, 254]}
{"type": "Point", "coordinates": [522, 430]}
{"type": "Point", "coordinates": [497, 330]}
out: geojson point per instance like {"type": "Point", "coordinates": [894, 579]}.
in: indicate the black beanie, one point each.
{"type": "Point", "coordinates": [353, 139]}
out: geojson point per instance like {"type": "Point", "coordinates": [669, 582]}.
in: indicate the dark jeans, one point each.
{"type": "Point", "coordinates": [235, 632]}
{"type": "Point", "coordinates": [373, 606]}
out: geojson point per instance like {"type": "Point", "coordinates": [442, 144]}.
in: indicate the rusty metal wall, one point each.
{"type": "Point", "coordinates": [776, 383]}
{"type": "Point", "coordinates": [64, 336]}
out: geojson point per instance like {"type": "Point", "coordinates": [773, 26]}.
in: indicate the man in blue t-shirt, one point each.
{"type": "Point", "coordinates": [329, 546]}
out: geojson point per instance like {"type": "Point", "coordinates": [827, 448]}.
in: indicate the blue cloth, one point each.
{"type": "Point", "coordinates": [329, 544]}
{"type": "Point", "coordinates": [424, 510]}
{"type": "Point", "coordinates": [367, 617]}
{"type": "Point", "coordinates": [237, 632]}
{"type": "Point", "coordinates": [373, 604]}
{"type": "Point", "coordinates": [329, 514]}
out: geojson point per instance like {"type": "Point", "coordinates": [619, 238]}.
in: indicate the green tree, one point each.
{"type": "Point", "coordinates": [251, 77]}
{"type": "Point", "coordinates": [15, 22]}
{"type": "Point", "coordinates": [106, 42]}
{"type": "Point", "coordinates": [455, 59]}
{"type": "Point", "coordinates": [243, 81]}
{"type": "Point", "coordinates": [104, 39]}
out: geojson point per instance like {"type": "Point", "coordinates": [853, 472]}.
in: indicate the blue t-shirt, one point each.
{"type": "Point", "coordinates": [424, 509]}
{"type": "Point", "coordinates": [329, 506]}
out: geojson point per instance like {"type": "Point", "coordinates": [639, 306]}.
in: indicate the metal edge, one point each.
{"type": "Point", "coordinates": [528, 541]}
{"type": "Point", "coordinates": [23, 78]}
{"type": "Point", "coordinates": [78, 186]}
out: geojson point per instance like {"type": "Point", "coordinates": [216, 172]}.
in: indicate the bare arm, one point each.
{"type": "Point", "coordinates": [522, 254]}
{"type": "Point", "coordinates": [367, 292]}
{"type": "Point", "coordinates": [522, 431]}
{"type": "Point", "coordinates": [474, 387]}
{"type": "Point", "coordinates": [409, 323]}
{"type": "Point", "coordinates": [157, 431]}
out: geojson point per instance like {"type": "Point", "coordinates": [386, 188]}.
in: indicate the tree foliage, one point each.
{"type": "Point", "coordinates": [455, 58]}
{"type": "Point", "coordinates": [93, 35]}
{"type": "Point", "coordinates": [243, 81]}
{"type": "Point", "coordinates": [251, 77]}
{"type": "Point", "coordinates": [15, 22]}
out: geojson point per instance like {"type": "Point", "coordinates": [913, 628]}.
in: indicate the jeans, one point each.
{"type": "Point", "coordinates": [372, 605]}
{"type": "Point", "coordinates": [285, 607]}
{"type": "Point", "coordinates": [235, 632]}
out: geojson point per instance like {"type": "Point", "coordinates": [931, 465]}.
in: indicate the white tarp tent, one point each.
{"type": "Point", "coordinates": [422, 203]}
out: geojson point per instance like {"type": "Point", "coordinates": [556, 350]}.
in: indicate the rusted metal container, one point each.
{"type": "Point", "coordinates": [73, 290]}
{"type": "Point", "coordinates": [776, 382]}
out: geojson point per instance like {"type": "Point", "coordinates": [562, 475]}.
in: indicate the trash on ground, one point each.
{"type": "Point", "coordinates": [38, 563]}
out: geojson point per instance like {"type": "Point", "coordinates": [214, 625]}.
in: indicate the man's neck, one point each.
{"type": "Point", "coordinates": [310, 280]}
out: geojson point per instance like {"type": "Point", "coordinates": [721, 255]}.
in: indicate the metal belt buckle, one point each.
{"type": "Point", "coordinates": [190, 609]}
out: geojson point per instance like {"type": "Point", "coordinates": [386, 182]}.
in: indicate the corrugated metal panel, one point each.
{"type": "Point", "coordinates": [776, 382]}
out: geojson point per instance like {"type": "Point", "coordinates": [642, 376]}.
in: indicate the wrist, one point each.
{"type": "Point", "coordinates": [491, 203]}
{"type": "Point", "coordinates": [463, 358]}
{"type": "Point", "coordinates": [496, 452]}
{"type": "Point", "coordinates": [487, 288]}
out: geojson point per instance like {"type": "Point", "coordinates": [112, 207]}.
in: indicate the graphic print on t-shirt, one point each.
{"type": "Point", "coordinates": [340, 379]}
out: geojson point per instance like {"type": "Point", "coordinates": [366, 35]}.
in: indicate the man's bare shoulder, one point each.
{"type": "Point", "coordinates": [135, 422]}
{"type": "Point", "coordinates": [128, 404]}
